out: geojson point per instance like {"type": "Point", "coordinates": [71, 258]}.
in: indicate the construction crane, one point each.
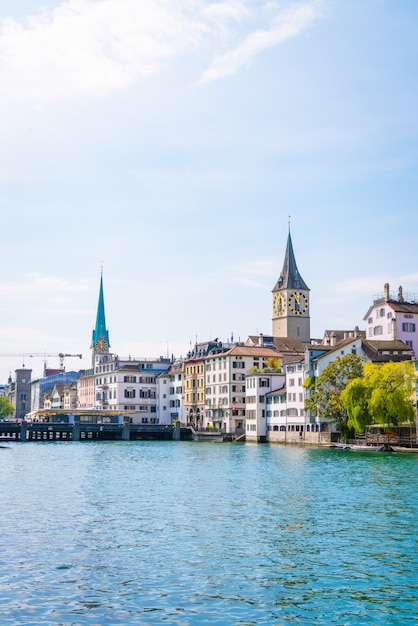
{"type": "Point", "coordinates": [44, 355]}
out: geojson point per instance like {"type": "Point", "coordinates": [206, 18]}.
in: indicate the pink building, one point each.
{"type": "Point", "coordinates": [394, 316]}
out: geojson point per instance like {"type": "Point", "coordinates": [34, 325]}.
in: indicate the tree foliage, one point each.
{"type": "Point", "coordinates": [274, 363]}
{"type": "Point", "coordinates": [6, 409]}
{"type": "Point", "coordinates": [355, 399]}
{"type": "Point", "coordinates": [382, 396]}
{"type": "Point", "coordinates": [325, 391]}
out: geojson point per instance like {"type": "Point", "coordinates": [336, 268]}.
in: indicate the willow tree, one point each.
{"type": "Point", "coordinates": [355, 400]}
{"type": "Point", "coordinates": [391, 386]}
{"type": "Point", "coordinates": [381, 396]}
{"type": "Point", "coordinates": [325, 391]}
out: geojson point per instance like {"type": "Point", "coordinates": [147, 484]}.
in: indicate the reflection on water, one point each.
{"type": "Point", "coordinates": [188, 533]}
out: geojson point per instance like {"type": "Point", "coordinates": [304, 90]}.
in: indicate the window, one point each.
{"type": "Point", "coordinates": [378, 330]}
{"type": "Point", "coordinates": [408, 327]}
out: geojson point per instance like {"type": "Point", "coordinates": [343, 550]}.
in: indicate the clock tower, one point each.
{"type": "Point", "coordinates": [291, 300]}
{"type": "Point", "coordinates": [100, 339]}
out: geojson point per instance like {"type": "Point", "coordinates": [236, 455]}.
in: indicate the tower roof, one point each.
{"type": "Point", "coordinates": [289, 277]}
{"type": "Point", "coordinates": [100, 330]}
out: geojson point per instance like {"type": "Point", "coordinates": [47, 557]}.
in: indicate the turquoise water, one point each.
{"type": "Point", "coordinates": [189, 533]}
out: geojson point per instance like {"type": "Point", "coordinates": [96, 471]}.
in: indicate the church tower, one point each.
{"type": "Point", "coordinates": [291, 300]}
{"type": "Point", "coordinates": [100, 339]}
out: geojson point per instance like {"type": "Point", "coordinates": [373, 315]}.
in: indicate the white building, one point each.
{"type": "Point", "coordinates": [393, 317]}
{"type": "Point", "coordinates": [170, 395]}
{"type": "Point", "coordinates": [225, 384]}
{"type": "Point", "coordinates": [258, 386]}
{"type": "Point", "coordinates": [128, 385]}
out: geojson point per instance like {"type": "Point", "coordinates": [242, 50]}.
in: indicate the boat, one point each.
{"type": "Point", "coordinates": [359, 447]}
{"type": "Point", "coordinates": [403, 449]}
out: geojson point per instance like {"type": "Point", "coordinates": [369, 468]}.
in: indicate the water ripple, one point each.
{"type": "Point", "coordinates": [184, 534]}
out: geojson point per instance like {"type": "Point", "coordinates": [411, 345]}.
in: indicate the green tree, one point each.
{"type": "Point", "coordinates": [381, 396]}
{"type": "Point", "coordinates": [391, 392]}
{"type": "Point", "coordinates": [6, 409]}
{"type": "Point", "coordinates": [325, 391]}
{"type": "Point", "coordinates": [274, 363]}
{"type": "Point", "coordinates": [355, 400]}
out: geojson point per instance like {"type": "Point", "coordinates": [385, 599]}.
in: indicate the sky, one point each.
{"type": "Point", "coordinates": [171, 143]}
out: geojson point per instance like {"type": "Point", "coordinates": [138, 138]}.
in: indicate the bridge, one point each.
{"type": "Point", "coordinates": [91, 431]}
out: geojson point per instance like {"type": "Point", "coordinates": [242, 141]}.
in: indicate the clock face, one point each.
{"type": "Point", "coordinates": [298, 303]}
{"type": "Point", "coordinates": [101, 345]}
{"type": "Point", "coordinates": [279, 304]}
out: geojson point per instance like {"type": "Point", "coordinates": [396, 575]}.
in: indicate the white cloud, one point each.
{"type": "Point", "coordinates": [286, 24]}
{"type": "Point", "coordinates": [89, 47]}
{"type": "Point", "coordinates": [40, 292]}
{"type": "Point", "coordinates": [219, 12]}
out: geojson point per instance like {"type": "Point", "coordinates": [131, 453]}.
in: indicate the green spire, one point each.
{"type": "Point", "coordinates": [100, 332]}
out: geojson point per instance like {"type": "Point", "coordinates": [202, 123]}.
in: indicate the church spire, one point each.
{"type": "Point", "coordinates": [290, 277]}
{"type": "Point", "coordinates": [100, 338]}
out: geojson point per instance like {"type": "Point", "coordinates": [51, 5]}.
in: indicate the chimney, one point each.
{"type": "Point", "coordinates": [386, 292]}
{"type": "Point", "coordinates": [393, 322]}
{"type": "Point", "coordinates": [400, 295]}
{"type": "Point", "coordinates": [333, 339]}
{"type": "Point", "coordinates": [261, 340]}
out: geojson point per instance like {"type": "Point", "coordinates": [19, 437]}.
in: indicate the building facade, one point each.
{"type": "Point", "coordinates": [225, 384]}
{"type": "Point", "coordinates": [393, 317]}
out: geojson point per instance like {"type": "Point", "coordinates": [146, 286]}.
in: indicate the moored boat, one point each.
{"type": "Point", "coordinates": [359, 447]}
{"type": "Point", "coordinates": [404, 449]}
{"type": "Point", "coordinates": [365, 448]}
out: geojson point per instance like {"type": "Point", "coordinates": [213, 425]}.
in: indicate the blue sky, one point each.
{"type": "Point", "coordinates": [171, 140]}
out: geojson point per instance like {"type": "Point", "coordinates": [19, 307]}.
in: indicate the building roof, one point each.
{"type": "Point", "coordinates": [399, 303]}
{"type": "Point", "coordinates": [404, 307]}
{"type": "Point", "coordinates": [290, 277]}
{"type": "Point", "coordinates": [241, 350]}
{"type": "Point", "coordinates": [284, 345]}
{"type": "Point", "coordinates": [383, 351]}
{"type": "Point", "coordinates": [340, 335]}
{"type": "Point", "coordinates": [288, 360]}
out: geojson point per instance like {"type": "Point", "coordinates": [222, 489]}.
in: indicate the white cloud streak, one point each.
{"type": "Point", "coordinates": [286, 25]}
{"type": "Point", "coordinates": [90, 47]}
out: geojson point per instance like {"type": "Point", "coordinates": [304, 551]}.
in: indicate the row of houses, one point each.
{"type": "Point", "coordinates": [254, 387]}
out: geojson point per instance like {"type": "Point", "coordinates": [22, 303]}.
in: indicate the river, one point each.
{"type": "Point", "coordinates": [187, 533]}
